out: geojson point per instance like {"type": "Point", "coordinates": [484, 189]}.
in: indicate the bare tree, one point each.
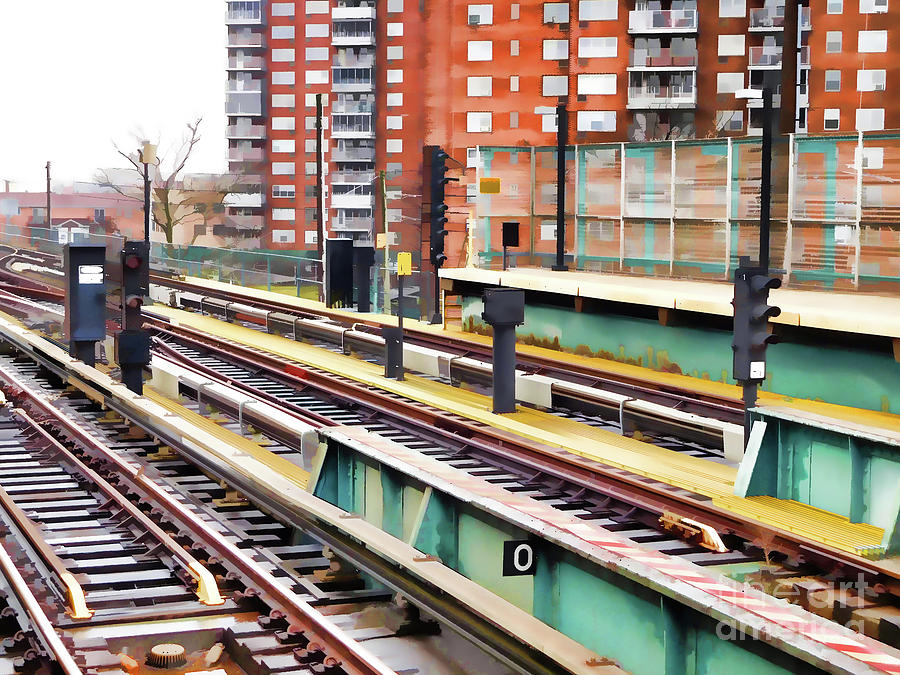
{"type": "Point", "coordinates": [172, 202]}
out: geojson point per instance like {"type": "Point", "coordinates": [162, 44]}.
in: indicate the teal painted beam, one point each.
{"type": "Point", "coordinates": [392, 509]}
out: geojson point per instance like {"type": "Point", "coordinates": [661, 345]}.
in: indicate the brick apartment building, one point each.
{"type": "Point", "coordinates": [401, 73]}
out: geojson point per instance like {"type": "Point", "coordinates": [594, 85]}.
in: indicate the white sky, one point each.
{"type": "Point", "coordinates": [77, 75]}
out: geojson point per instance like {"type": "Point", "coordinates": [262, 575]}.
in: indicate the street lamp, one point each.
{"type": "Point", "coordinates": [147, 156]}
{"type": "Point", "coordinates": [765, 191]}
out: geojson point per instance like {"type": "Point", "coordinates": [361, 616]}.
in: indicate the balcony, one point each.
{"type": "Point", "coordinates": [245, 40]}
{"type": "Point", "coordinates": [347, 60]}
{"type": "Point", "coordinates": [662, 97]}
{"type": "Point", "coordinates": [803, 60]}
{"type": "Point", "coordinates": [244, 222]}
{"type": "Point", "coordinates": [351, 13]}
{"type": "Point", "coordinates": [245, 154]}
{"type": "Point", "coordinates": [243, 103]}
{"type": "Point", "coordinates": [352, 107]}
{"type": "Point", "coordinates": [766, 19]}
{"type": "Point", "coordinates": [244, 85]}
{"type": "Point", "coordinates": [805, 19]}
{"type": "Point", "coordinates": [246, 63]}
{"type": "Point", "coordinates": [245, 131]}
{"type": "Point", "coordinates": [351, 200]}
{"type": "Point", "coordinates": [242, 200]}
{"type": "Point", "coordinates": [662, 21]}
{"type": "Point", "coordinates": [353, 155]}
{"type": "Point", "coordinates": [243, 14]}
{"type": "Point", "coordinates": [353, 34]}
{"type": "Point", "coordinates": [352, 177]}
{"type": "Point", "coordinates": [352, 225]}
{"type": "Point", "coordinates": [352, 80]}
{"type": "Point", "coordinates": [765, 58]}
{"type": "Point", "coordinates": [642, 59]}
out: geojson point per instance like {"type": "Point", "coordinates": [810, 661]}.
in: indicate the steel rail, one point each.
{"type": "Point", "coordinates": [341, 649]}
{"type": "Point", "coordinates": [627, 487]}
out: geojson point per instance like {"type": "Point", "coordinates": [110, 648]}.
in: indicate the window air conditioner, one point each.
{"type": "Point", "coordinates": [473, 20]}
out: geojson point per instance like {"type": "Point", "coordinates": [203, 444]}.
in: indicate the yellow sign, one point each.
{"type": "Point", "coordinates": [489, 186]}
{"type": "Point", "coordinates": [404, 264]}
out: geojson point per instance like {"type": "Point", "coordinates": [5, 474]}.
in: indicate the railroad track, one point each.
{"type": "Point", "coordinates": [147, 536]}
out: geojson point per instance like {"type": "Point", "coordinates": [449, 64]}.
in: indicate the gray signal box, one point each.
{"type": "Point", "coordinates": [84, 267]}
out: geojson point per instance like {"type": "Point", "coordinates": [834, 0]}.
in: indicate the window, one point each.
{"type": "Point", "coordinates": [514, 120]}
{"type": "Point", "coordinates": [835, 7]}
{"type": "Point", "coordinates": [316, 7]}
{"type": "Point", "coordinates": [283, 77]}
{"type": "Point", "coordinates": [870, 119]}
{"type": "Point", "coordinates": [548, 123]}
{"type": "Point", "coordinates": [873, 6]}
{"type": "Point", "coordinates": [309, 145]}
{"type": "Point", "coordinates": [99, 215]}
{"type": "Point", "coordinates": [283, 9]}
{"type": "Point", "coordinates": [309, 168]}
{"type": "Point", "coordinates": [556, 50]}
{"type": "Point", "coordinates": [832, 119]}
{"type": "Point", "coordinates": [311, 100]}
{"type": "Point", "coordinates": [556, 12]}
{"type": "Point", "coordinates": [832, 80]}
{"type": "Point", "coordinates": [279, 145]}
{"type": "Point", "coordinates": [603, 47]}
{"type": "Point", "coordinates": [317, 53]}
{"type": "Point", "coordinates": [394, 52]}
{"type": "Point", "coordinates": [514, 83]}
{"type": "Point", "coordinates": [555, 85]}
{"type": "Point", "coordinates": [481, 15]}
{"type": "Point", "coordinates": [283, 100]}
{"type": "Point", "coordinates": [316, 77]}
{"type": "Point", "coordinates": [731, 45]}
{"type": "Point", "coordinates": [833, 41]}
{"type": "Point", "coordinates": [729, 120]}
{"type": "Point", "coordinates": [596, 120]}
{"type": "Point", "coordinates": [514, 11]}
{"type": "Point", "coordinates": [282, 236]}
{"type": "Point", "coordinates": [480, 50]}
{"type": "Point", "coordinates": [873, 158]}
{"type": "Point", "coordinates": [471, 157]}
{"type": "Point", "coordinates": [282, 55]}
{"type": "Point", "coordinates": [513, 47]}
{"type": "Point", "coordinates": [732, 8]}
{"type": "Point", "coordinates": [310, 237]}
{"type": "Point", "coordinates": [283, 214]}
{"type": "Point", "coordinates": [394, 76]}
{"type": "Point", "coordinates": [283, 191]}
{"type": "Point", "coordinates": [601, 84]}
{"type": "Point", "coordinates": [314, 30]}
{"type": "Point", "coordinates": [871, 80]}
{"type": "Point", "coordinates": [598, 10]}
{"type": "Point", "coordinates": [479, 86]}
{"type": "Point", "coordinates": [283, 123]}
{"type": "Point", "coordinates": [395, 30]}
{"type": "Point", "coordinates": [395, 6]}
{"type": "Point", "coordinates": [282, 32]}
{"type": "Point", "coordinates": [393, 169]}
{"type": "Point", "coordinates": [393, 145]}
{"type": "Point", "coordinates": [872, 41]}
{"type": "Point", "coordinates": [478, 122]}
{"type": "Point", "coordinates": [394, 100]}
{"type": "Point", "coordinates": [394, 122]}
{"type": "Point", "coordinates": [729, 83]}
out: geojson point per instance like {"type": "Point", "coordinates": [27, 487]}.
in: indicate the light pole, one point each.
{"type": "Point", "coordinates": [765, 190]}
{"type": "Point", "coordinates": [147, 155]}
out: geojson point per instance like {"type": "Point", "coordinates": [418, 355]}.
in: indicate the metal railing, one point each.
{"type": "Point", "coordinates": [653, 20]}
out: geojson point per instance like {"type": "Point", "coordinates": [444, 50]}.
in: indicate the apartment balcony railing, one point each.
{"type": "Point", "coordinates": [351, 13]}
{"type": "Point", "coordinates": [342, 60]}
{"type": "Point", "coordinates": [246, 63]}
{"type": "Point", "coordinates": [662, 97]}
{"type": "Point", "coordinates": [805, 19]}
{"type": "Point", "coordinates": [244, 222]}
{"type": "Point", "coordinates": [245, 131]}
{"type": "Point", "coordinates": [643, 59]}
{"type": "Point", "coordinates": [351, 200]}
{"type": "Point", "coordinates": [244, 200]}
{"type": "Point", "coordinates": [352, 37]}
{"type": "Point", "coordinates": [245, 39]}
{"type": "Point", "coordinates": [344, 131]}
{"type": "Point", "coordinates": [662, 21]}
{"type": "Point", "coordinates": [244, 85]}
{"type": "Point", "coordinates": [804, 56]}
{"type": "Point", "coordinates": [351, 224]}
{"type": "Point", "coordinates": [245, 154]}
{"type": "Point", "coordinates": [244, 14]}
{"type": "Point", "coordinates": [765, 57]}
{"type": "Point", "coordinates": [767, 18]}
{"type": "Point", "coordinates": [353, 155]}
{"type": "Point", "coordinates": [352, 107]}
{"type": "Point", "coordinates": [352, 79]}
{"type": "Point", "coordinates": [352, 177]}
{"type": "Point", "coordinates": [243, 103]}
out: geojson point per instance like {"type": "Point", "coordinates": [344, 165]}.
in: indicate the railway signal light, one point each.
{"type": "Point", "coordinates": [133, 343]}
{"type": "Point", "coordinates": [438, 168]}
{"type": "Point", "coordinates": [752, 312]}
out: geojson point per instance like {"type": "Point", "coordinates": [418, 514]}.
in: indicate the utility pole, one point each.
{"type": "Point", "coordinates": [320, 202]}
{"type": "Point", "coordinates": [765, 196]}
{"type": "Point", "coordinates": [562, 140]}
{"type": "Point", "coordinates": [382, 188]}
{"type": "Point", "coordinates": [49, 222]}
